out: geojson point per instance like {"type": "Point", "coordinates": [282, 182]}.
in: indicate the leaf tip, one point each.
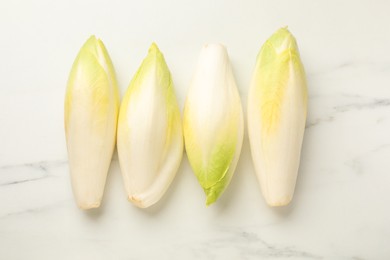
{"type": "Point", "coordinates": [154, 48]}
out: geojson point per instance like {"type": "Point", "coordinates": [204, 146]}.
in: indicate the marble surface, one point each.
{"type": "Point", "coordinates": [341, 204]}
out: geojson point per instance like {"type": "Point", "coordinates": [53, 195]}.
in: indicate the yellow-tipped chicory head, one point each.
{"type": "Point", "coordinates": [277, 105]}
{"type": "Point", "coordinates": [277, 62]}
{"type": "Point", "coordinates": [150, 138]}
{"type": "Point", "coordinates": [92, 76]}
{"type": "Point", "coordinates": [91, 112]}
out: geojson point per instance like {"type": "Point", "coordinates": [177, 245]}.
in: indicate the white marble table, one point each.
{"type": "Point", "coordinates": [341, 205]}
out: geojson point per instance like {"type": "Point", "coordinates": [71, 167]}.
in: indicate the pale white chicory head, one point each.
{"type": "Point", "coordinates": [213, 122]}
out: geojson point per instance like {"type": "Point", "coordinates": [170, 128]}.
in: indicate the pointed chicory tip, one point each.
{"type": "Point", "coordinates": [92, 45]}
{"type": "Point", "coordinates": [155, 55]}
{"type": "Point", "coordinates": [213, 53]}
{"type": "Point", "coordinates": [95, 45]}
{"type": "Point", "coordinates": [154, 48]}
{"type": "Point", "coordinates": [214, 45]}
{"type": "Point", "coordinates": [92, 37]}
{"type": "Point", "coordinates": [214, 192]}
{"type": "Point", "coordinates": [211, 198]}
{"type": "Point", "coordinates": [91, 42]}
{"type": "Point", "coordinates": [216, 48]}
{"type": "Point", "coordinates": [283, 32]}
{"type": "Point", "coordinates": [282, 39]}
